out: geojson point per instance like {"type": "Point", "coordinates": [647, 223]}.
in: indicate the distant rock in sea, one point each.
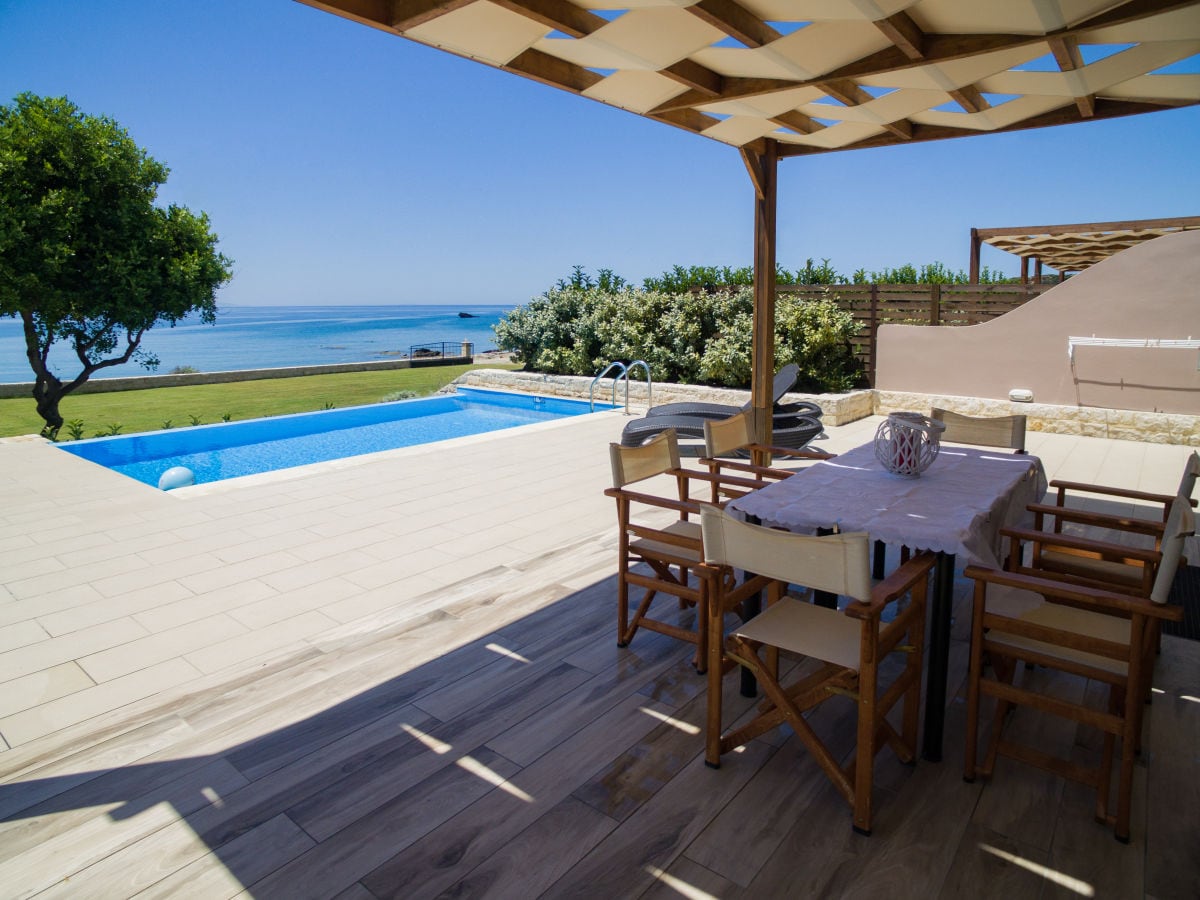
{"type": "Point", "coordinates": [463, 315]}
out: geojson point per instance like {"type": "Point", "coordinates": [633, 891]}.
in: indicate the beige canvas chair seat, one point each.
{"type": "Point", "coordinates": [1032, 609]}
{"type": "Point", "coordinates": [849, 645]}
{"type": "Point", "coordinates": [807, 630]}
{"type": "Point", "coordinates": [678, 553]}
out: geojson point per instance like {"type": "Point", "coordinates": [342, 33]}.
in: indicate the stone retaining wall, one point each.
{"type": "Point", "coordinates": [1117, 424]}
{"type": "Point", "coordinates": [838, 409]}
{"type": "Point", "coordinates": [143, 382]}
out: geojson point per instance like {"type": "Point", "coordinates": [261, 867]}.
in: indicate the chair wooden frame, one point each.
{"type": "Point", "coordinates": [724, 437]}
{"type": "Point", "coordinates": [1101, 564]}
{"type": "Point", "coordinates": [777, 559]}
{"type": "Point", "coordinates": [1187, 485]}
{"type": "Point", "coordinates": [673, 553]}
{"type": "Point", "coordinates": [1104, 635]}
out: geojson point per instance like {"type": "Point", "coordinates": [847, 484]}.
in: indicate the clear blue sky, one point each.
{"type": "Point", "coordinates": [343, 165]}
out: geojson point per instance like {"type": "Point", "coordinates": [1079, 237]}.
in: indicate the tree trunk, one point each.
{"type": "Point", "coordinates": [47, 392]}
{"type": "Point", "coordinates": [49, 389]}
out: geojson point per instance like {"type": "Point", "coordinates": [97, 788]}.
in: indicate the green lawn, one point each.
{"type": "Point", "coordinates": [148, 410]}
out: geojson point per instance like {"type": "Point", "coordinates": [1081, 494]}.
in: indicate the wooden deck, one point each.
{"type": "Point", "coordinates": [458, 720]}
{"type": "Point", "coordinates": [473, 754]}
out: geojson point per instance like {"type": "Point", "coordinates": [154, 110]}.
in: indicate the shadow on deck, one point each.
{"type": "Point", "coordinates": [532, 756]}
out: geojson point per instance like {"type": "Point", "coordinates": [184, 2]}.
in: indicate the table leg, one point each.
{"type": "Point", "coordinates": [879, 564]}
{"type": "Point", "coordinates": [825, 598]}
{"type": "Point", "coordinates": [938, 656]}
{"type": "Point", "coordinates": [751, 607]}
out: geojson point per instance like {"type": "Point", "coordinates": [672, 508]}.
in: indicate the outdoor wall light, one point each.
{"type": "Point", "coordinates": [1021, 395]}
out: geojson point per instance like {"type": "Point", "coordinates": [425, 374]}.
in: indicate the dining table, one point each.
{"type": "Point", "coordinates": [956, 508]}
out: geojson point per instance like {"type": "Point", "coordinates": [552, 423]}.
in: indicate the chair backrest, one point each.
{"type": "Point", "coordinates": [1181, 522]}
{"type": "Point", "coordinates": [723, 436]}
{"type": "Point", "coordinates": [986, 431]}
{"type": "Point", "coordinates": [1190, 471]}
{"type": "Point", "coordinates": [629, 464]}
{"type": "Point", "coordinates": [838, 563]}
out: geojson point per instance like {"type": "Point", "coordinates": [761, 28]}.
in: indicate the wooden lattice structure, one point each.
{"type": "Point", "coordinates": [782, 78]}
{"type": "Point", "coordinates": [1071, 248]}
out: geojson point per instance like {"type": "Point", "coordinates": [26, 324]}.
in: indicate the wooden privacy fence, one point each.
{"type": "Point", "coordinates": [873, 305]}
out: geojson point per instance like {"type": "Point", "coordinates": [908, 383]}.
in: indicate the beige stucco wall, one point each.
{"type": "Point", "coordinates": [1149, 291]}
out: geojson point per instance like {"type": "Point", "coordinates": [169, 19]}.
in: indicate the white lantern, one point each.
{"type": "Point", "coordinates": [906, 443]}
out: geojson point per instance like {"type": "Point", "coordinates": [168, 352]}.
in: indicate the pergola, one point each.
{"type": "Point", "coordinates": [1071, 248]}
{"type": "Point", "coordinates": [784, 78]}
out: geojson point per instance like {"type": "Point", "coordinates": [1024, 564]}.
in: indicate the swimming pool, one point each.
{"type": "Point", "coordinates": [230, 450]}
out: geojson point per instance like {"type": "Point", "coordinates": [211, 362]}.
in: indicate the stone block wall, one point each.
{"type": "Point", "coordinates": [840, 409]}
{"type": "Point", "coordinates": [1117, 424]}
{"type": "Point", "coordinates": [837, 409]}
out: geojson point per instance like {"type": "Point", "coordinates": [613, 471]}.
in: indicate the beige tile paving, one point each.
{"type": "Point", "coordinates": [21, 634]}
{"type": "Point", "coordinates": [111, 591]}
{"type": "Point", "coordinates": [41, 687]}
{"type": "Point", "coordinates": [70, 709]}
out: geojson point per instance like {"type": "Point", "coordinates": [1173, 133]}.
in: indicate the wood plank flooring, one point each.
{"type": "Point", "coordinates": [503, 746]}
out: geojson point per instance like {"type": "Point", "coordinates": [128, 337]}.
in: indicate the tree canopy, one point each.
{"type": "Point", "coordinates": [86, 254]}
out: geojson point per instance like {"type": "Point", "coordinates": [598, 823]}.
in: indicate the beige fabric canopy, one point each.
{"type": "Point", "coordinates": [779, 78]}
{"type": "Point", "coordinates": [821, 75]}
{"type": "Point", "coordinates": [1073, 248]}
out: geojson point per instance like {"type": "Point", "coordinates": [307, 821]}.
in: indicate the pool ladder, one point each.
{"type": "Point", "coordinates": [623, 375]}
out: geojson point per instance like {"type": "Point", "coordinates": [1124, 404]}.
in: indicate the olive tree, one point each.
{"type": "Point", "coordinates": [86, 255]}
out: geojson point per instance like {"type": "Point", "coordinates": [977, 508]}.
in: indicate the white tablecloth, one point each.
{"type": "Point", "coordinates": [957, 505]}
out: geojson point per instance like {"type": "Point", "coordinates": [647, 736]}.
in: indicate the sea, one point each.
{"type": "Point", "coordinates": [263, 337]}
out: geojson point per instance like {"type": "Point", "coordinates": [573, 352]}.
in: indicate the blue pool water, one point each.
{"type": "Point", "coordinates": [217, 452]}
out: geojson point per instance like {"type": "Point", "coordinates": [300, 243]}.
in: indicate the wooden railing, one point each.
{"type": "Point", "coordinates": [873, 305]}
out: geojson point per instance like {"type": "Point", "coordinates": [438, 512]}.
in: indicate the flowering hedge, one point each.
{"type": "Point", "coordinates": [687, 338]}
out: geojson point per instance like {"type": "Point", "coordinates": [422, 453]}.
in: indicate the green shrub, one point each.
{"type": "Point", "coordinates": [686, 338]}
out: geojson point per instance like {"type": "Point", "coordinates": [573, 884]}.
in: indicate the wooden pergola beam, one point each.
{"type": "Point", "coordinates": [948, 47]}
{"type": "Point", "coordinates": [1125, 225]}
{"type": "Point", "coordinates": [552, 71]}
{"type": "Point", "coordinates": [1105, 109]}
{"type": "Point", "coordinates": [1066, 54]}
{"type": "Point", "coordinates": [905, 34]}
{"type": "Point", "coordinates": [736, 21]}
{"type": "Point", "coordinates": [557, 14]}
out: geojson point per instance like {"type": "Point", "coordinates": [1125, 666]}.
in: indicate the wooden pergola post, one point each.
{"type": "Point", "coordinates": [763, 168]}
{"type": "Point", "coordinates": [976, 244]}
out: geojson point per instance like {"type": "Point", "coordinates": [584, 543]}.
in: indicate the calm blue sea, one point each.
{"type": "Point", "coordinates": [261, 337]}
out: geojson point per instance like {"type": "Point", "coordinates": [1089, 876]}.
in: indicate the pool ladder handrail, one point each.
{"type": "Point", "coordinates": [623, 375]}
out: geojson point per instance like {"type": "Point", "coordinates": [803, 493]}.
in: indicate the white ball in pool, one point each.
{"type": "Point", "coordinates": [176, 477]}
